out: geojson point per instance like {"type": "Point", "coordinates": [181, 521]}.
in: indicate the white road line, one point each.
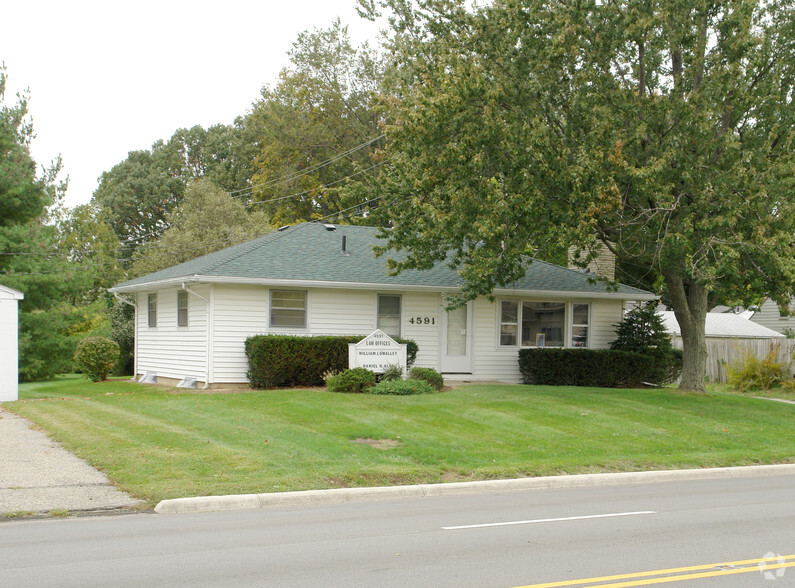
{"type": "Point", "coordinates": [598, 516]}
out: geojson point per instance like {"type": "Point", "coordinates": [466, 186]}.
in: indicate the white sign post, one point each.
{"type": "Point", "coordinates": [377, 352]}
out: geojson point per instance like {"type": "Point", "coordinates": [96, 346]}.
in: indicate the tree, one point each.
{"type": "Point", "coordinates": [30, 259]}
{"type": "Point", "coordinates": [137, 194]}
{"type": "Point", "coordinates": [207, 220]}
{"type": "Point", "coordinates": [662, 129]}
{"type": "Point", "coordinates": [316, 129]}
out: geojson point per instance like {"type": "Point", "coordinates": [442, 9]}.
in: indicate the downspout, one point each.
{"type": "Point", "coordinates": [135, 332]}
{"type": "Point", "coordinates": [209, 334]}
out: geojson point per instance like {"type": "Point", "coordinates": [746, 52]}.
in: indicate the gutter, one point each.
{"type": "Point", "coordinates": [338, 285]}
{"type": "Point", "coordinates": [209, 342]}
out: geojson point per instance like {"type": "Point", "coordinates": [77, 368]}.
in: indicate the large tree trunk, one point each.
{"type": "Point", "coordinates": [690, 303]}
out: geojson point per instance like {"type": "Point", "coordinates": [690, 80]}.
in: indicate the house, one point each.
{"type": "Point", "coordinates": [310, 279]}
{"type": "Point", "coordinates": [768, 315]}
{"type": "Point", "coordinates": [9, 342]}
{"type": "Point", "coordinates": [729, 337]}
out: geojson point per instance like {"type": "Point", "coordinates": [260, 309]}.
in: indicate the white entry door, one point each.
{"type": "Point", "coordinates": [457, 340]}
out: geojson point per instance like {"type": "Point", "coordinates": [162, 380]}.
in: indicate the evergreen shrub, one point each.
{"type": "Point", "coordinates": [357, 380]}
{"type": "Point", "coordinates": [402, 387]}
{"type": "Point", "coordinates": [642, 331]}
{"type": "Point", "coordinates": [96, 357]}
{"type": "Point", "coordinates": [429, 375]}
{"type": "Point", "coordinates": [288, 360]}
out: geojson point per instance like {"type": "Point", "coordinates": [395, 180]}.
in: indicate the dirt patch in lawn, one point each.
{"type": "Point", "coordinates": [378, 443]}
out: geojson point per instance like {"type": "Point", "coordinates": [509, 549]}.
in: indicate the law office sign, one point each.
{"type": "Point", "coordinates": [377, 352]}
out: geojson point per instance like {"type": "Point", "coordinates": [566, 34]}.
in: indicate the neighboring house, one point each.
{"type": "Point", "coordinates": [192, 320]}
{"type": "Point", "coordinates": [729, 337]}
{"type": "Point", "coordinates": [769, 316]}
{"type": "Point", "coordinates": [9, 343]}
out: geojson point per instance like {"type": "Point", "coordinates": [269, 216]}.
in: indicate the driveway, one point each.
{"type": "Point", "coordinates": [37, 475]}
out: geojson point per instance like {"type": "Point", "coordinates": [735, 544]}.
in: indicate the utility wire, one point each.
{"type": "Point", "coordinates": [290, 177]}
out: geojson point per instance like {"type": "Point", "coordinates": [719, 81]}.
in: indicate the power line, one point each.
{"type": "Point", "coordinates": [294, 176]}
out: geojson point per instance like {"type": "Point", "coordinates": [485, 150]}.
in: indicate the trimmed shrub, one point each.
{"type": "Point", "coordinates": [752, 373]}
{"type": "Point", "coordinates": [356, 380]}
{"type": "Point", "coordinates": [96, 357]}
{"type": "Point", "coordinates": [606, 368]}
{"type": "Point", "coordinates": [287, 360]}
{"type": "Point", "coordinates": [402, 387]}
{"type": "Point", "coordinates": [429, 375]}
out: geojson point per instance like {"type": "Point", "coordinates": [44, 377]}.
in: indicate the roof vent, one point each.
{"type": "Point", "coordinates": [345, 245]}
{"type": "Point", "coordinates": [284, 228]}
{"type": "Point", "coordinates": [330, 227]}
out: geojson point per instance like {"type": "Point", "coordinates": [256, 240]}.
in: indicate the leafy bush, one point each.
{"type": "Point", "coordinates": [607, 368]}
{"type": "Point", "coordinates": [96, 357]}
{"type": "Point", "coordinates": [752, 373]}
{"type": "Point", "coordinates": [393, 372]}
{"type": "Point", "coordinates": [285, 360]}
{"type": "Point", "coordinates": [788, 385]}
{"type": "Point", "coordinates": [429, 375]}
{"type": "Point", "coordinates": [356, 380]}
{"type": "Point", "coordinates": [402, 387]}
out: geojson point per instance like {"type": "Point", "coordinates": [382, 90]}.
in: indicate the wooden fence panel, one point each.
{"type": "Point", "coordinates": [724, 351]}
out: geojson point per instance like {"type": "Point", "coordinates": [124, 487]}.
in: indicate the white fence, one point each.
{"type": "Point", "coordinates": [724, 351]}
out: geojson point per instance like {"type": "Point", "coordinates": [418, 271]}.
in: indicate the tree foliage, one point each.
{"type": "Point", "coordinates": [663, 129]}
{"type": "Point", "coordinates": [316, 129]}
{"type": "Point", "coordinates": [207, 220]}
{"type": "Point", "coordinates": [137, 194]}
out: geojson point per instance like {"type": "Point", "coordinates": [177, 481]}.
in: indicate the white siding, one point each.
{"type": "Point", "coordinates": [491, 361]}
{"type": "Point", "coordinates": [769, 316]}
{"type": "Point", "coordinates": [167, 350]}
{"type": "Point", "coordinates": [605, 316]}
{"type": "Point", "coordinates": [9, 359]}
{"type": "Point", "coordinates": [494, 362]}
{"type": "Point", "coordinates": [239, 312]}
{"type": "Point", "coordinates": [423, 305]}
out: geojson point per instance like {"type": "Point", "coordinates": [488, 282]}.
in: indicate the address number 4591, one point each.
{"type": "Point", "coordinates": [422, 320]}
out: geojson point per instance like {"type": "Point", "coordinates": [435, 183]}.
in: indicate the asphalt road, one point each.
{"type": "Point", "coordinates": [512, 539]}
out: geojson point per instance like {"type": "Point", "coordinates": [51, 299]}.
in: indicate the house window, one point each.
{"type": "Point", "coordinates": [509, 322]}
{"type": "Point", "coordinates": [182, 308]}
{"type": "Point", "coordinates": [288, 308]}
{"type": "Point", "coordinates": [542, 324]}
{"type": "Point", "coordinates": [579, 325]}
{"type": "Point", "coordinates": [389, 314]}
{"type": "Point", "coordinates": [152, 308]}
{"type": "Point", "coordinates": [543, 318]}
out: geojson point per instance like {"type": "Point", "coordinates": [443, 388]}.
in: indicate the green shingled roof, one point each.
{"type": "Point", "coordinates": [313, 252]}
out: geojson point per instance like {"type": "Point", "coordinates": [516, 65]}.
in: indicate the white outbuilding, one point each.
{"type": "Point", "coordinates": [9, 341]}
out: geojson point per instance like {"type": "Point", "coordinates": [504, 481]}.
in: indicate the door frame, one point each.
{"type": "Point", "coordinates": [456, 364]}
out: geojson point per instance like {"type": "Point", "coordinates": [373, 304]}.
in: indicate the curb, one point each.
{"type": "Point", "coordinates": [343, 495]}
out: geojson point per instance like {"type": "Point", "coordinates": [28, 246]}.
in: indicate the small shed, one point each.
{"type": "Point", "coordinates": [729, 337]}
{"type": "Point", "coordinates": [9, 343]}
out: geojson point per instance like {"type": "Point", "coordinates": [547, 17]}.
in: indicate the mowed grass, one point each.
{"type": "Point", "coordinates": [157, 443]}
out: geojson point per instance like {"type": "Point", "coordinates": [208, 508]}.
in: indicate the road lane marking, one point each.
{"type": "Point", "coordinates": [532, 521]}
{"type": "Point", "coordinates": [644, 579]}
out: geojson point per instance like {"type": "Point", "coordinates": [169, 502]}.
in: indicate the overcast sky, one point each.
{"type": "Point", "coordinates": [106, 78]}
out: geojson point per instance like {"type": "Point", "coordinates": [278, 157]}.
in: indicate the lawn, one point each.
{"type": "Point", "coordinates": [157, 443]}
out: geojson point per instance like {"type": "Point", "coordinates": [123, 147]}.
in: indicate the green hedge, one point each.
{"type": "Point", "coordinates": [288, 360]}
{"type": "Point", "coordinates": [605, 368]}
